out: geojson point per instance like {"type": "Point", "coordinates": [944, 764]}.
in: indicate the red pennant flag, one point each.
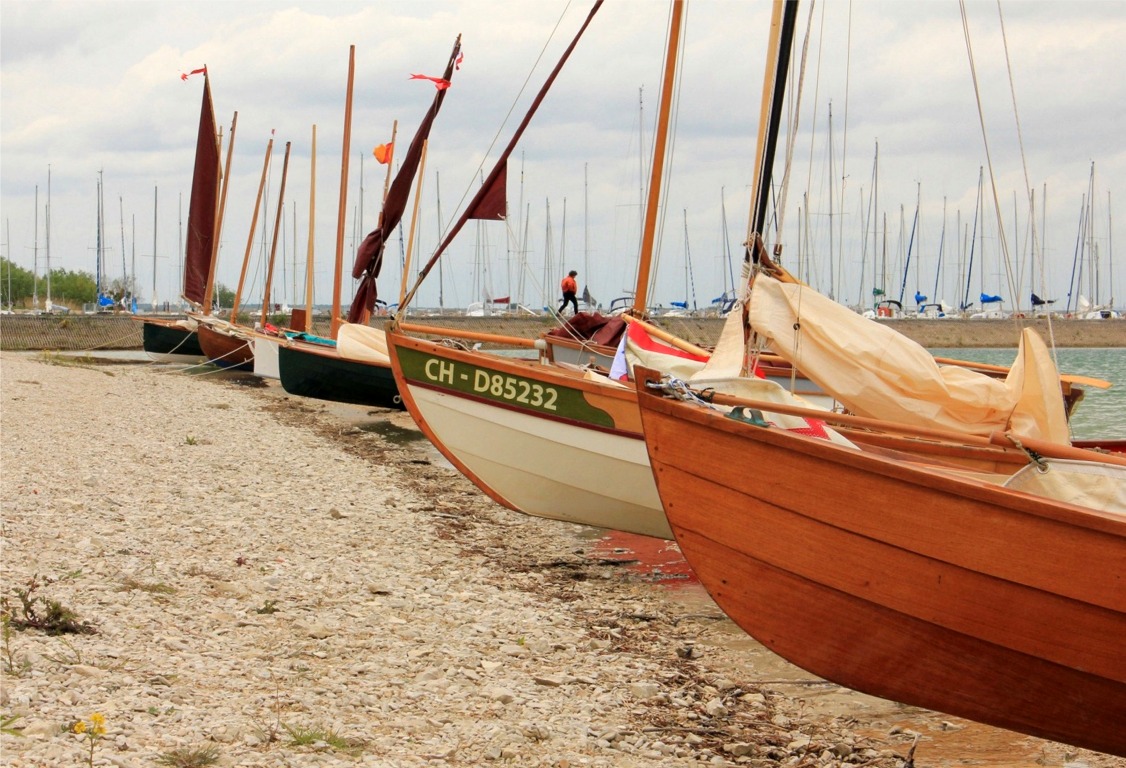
{"type": "Point", "coordinates": [201, 70]}
{"type": "Point", "coordinates": [383, 153]}
{"type": "Point", "coordinates": [439, 83]}
{"type": "Point", "coordinates": [460, 58]}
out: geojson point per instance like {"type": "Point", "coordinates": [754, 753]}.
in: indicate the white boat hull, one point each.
{"type": "Point", "coordinates": [266, 358]}
{"type": "Point", "coordinates": [549, 468]}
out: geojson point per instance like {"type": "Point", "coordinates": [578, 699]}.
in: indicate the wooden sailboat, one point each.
{"type": "Point", "coordinates": [935, 559]}
{"type": "Point", "coordinates": [902, 576]}
{"type": "Point", "coordinates": [175, 340]}
{"type": "Point", "coordinates": [545, 439]}
{"type": "Point", "coordinates": [225, 342]}
{"type": "Point", "coordinates": [356, 368]}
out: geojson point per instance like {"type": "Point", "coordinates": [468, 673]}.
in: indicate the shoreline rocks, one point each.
{"type": "Point", "coordinates": [270, 581]}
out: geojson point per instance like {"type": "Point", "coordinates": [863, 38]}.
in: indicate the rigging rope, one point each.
{"type": "Point", "coordinates": [988, 154]}
{"type": "Point", "coordinates": [1037, 253]}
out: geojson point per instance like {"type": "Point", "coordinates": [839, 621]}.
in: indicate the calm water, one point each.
{"type": "Point", "coordinates": [1102, 414]}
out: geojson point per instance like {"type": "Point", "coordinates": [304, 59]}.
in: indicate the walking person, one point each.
{"type": "Point", "coordinates": [570, 290]}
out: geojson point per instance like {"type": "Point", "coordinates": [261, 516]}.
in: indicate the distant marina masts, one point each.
{"type": "Point", "coordinates": [47, 224]}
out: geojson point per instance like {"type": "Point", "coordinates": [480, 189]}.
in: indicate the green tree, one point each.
{"type": "Point", "coordinates": [22, 284]}
{"type": "Point", "coordinates": [73, 287]}
{"type": "Point", "coordinates": [224, 295]}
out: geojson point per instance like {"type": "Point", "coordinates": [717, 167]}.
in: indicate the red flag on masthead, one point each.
{"type": "Point", "coordinates": [186, 75]}
{"type": "Point", "coordinates": [439, 83]}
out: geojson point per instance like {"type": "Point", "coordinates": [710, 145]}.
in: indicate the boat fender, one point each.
{"type": "Point", "coordinates": [755, 417]}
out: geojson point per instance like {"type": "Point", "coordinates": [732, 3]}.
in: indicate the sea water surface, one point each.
{"type": "Point", "coordinates": [1102, 412]}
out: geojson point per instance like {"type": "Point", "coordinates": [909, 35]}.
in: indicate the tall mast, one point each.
{"type": "Point", "coordinates": [35, 256]}
{"type": "Point", "coordinates": [648, 235]}
{"type": "Point", "coordinates": [180, 233]}
{"type": "Point", "coordinates": [124, 266]}
{"type": "Point", "coordinates": [153, 302]}
{"type": "Point", "coordinates": [47, 225]}
{"type": "Point", "coordinates": [133, 264]}
{"type": "Point", "coordinates": [223, 181]}
{"type": "Point", "coordinates": [309, 247]}
{"type": "Point", "coordinates": [586, 229]}
{"type": "Point", "coordinates": [343, 194]}
{"type": "Point", "coordinates": [8, 250]}
{"type": "Point", "coordinates": [253, 226]}
{"type": "Point", "coordinates": [438, 221]}
{"type": "Point", "coordinates": [274, 243]}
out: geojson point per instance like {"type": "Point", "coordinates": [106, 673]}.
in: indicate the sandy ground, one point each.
{"type": "Point", "coordinates": [261, 568]}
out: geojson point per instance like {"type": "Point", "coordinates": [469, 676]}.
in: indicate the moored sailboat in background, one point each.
{"type": "Point", "coordinates": [175, 340]}
{"type": "Point", "coordinates": [221, 339]}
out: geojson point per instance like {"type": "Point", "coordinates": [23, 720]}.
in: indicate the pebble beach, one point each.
{"type": "Point", "coordinates": [260, 581]}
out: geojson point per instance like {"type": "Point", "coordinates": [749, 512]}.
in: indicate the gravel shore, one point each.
{"type": "Point", "coordinates": [271, 584]}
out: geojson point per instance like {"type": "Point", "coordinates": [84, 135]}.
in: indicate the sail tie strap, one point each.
{"type": "Point", "coordinates": [1034, 457]}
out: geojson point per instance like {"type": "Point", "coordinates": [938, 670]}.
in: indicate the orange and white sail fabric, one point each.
{"type": "Point", "coordinates": [642, 349]}
{"type": "Point", "coordinates": [362, 343]}
{"type": "Point", "coordinates": [877, 372]}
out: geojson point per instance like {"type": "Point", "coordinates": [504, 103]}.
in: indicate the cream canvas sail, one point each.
{"type": "Point", "coordinates": [876, 371]}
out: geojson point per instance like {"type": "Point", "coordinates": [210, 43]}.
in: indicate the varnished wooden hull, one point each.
{"type": "Point", "coordinates": [954, 595]}
{"type": "Point", "coordinates": [226, 349]}
{"type": "Point", "coordinates": [320, 372]}
{"type": "Point", "coordinates": [537, 438]}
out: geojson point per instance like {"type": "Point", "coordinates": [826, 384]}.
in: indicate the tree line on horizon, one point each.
{"type": "Point", "coordinates": [19, 287]}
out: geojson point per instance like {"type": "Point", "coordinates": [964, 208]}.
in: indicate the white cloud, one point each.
{"type": "Point", "coordinates": [95, 86]}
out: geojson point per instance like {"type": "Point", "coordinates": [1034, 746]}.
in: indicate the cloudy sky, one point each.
{"type": "Point", "coordinates": [93, 88]}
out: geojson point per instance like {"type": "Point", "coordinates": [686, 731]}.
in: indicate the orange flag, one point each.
{"type": "Point", "coordinates": [383, 153]}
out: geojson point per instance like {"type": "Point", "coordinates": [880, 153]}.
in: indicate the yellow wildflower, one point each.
{"type": "Point", "coordinates": [98, 721]}
{"type": "Point", "coordinates": [80, 727]}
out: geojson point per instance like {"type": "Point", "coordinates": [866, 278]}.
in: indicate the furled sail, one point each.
{"type": "Point", "coordinates": [876, 371]}
{"type": "Point", "coordinates": [203, 206]}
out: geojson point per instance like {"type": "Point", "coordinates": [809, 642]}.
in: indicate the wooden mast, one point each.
{"type": "Point", "coordinates": [343, 194]}
{"type": "Point", "coordinates": [365, 316]}
{"type": "Point", "coordinates": [308, 324]}
{"type": "Point", "coordinates": [414, 222]}
{"type": "Point", "coordinates": [648, 235]}
{"type": "Point", "coordinates": [274, 244]}
{"type": "Point", "coordinates": [250, 236]}
{"type": "Point", "coordinates": [209, 292]}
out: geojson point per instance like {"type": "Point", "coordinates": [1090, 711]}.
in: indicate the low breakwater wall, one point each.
{"type": "Point", "coordinates": [23, 332]}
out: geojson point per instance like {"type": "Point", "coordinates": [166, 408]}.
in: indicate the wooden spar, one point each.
{"type": "Point", "coordinates": [365, 316]}
{"type": "Point", "coordinates": [1043, 447]}
{"type": "Point", "coordinates": [390, 165]}
{"type": "Point", "coordinates": [649, 232]}
{"type": "Point", "coordinates": [663, 335]}
{"type": "Point", "coordinates": [499, 166]}
{"type": "Point", "coordinates": [1054, 450]}
{"type": "Point", "coordinates": [434, 330]}
{"type": "Point", "coordinates": [274, 244]}
{"type": "Point", "coordinates": [309, 249]}
{"type": "Point", "coordinates": [209, 293]}
{"type": "Point", "coordinates": [1069, 378]}
{"type": "Point", "coordinates": [250, 236]}
{"type": "Point", "coordinates": [343, 194]}
{"type": "Point", "coordinates": [764, 113]}
{"type": "Point", "coordinates": [414, 222]}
